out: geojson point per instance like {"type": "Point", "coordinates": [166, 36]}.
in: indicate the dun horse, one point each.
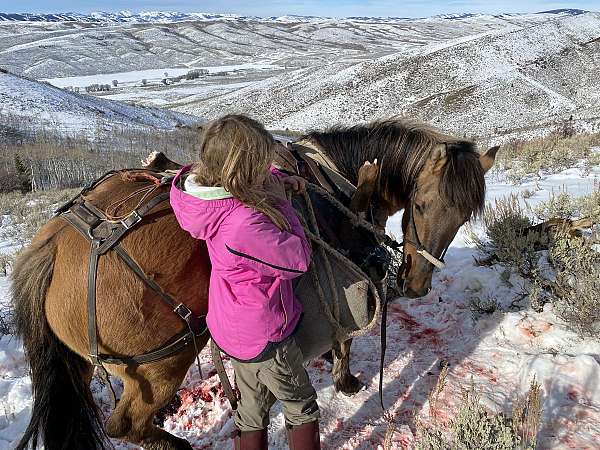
{"type": "Point", "coordinates": [437, 179]}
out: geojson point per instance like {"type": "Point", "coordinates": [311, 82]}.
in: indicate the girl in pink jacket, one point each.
{"type": "Point", "coordinates": [235, 200]}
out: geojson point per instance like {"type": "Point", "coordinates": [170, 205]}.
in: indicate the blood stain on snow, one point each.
{"type": "Point", "coordinates": [429, 334]}
{"type": "Point", "coordinates": [408, 321]}
{"type": "Point", "coordinates": [573, 395]}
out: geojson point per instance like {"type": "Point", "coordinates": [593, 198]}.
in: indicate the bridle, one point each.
{"type": "Point", "coordinates": [419, 247]}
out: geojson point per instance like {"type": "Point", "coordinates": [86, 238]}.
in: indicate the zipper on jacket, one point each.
{"type": "Point", "coordinates": [245, 255]}
{"type": "Point", "coordinates": [285, 321]}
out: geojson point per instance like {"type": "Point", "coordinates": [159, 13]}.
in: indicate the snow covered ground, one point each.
{"type": "Point", "coordinates": [45, 106]}
{"type": "Point", "coordinates": [499, 353]}
{"type": "Point", "coordinates": [152, 75]}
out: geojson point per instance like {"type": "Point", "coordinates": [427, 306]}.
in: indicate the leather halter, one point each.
{"type": "Point", "coordinates": [420, 248]}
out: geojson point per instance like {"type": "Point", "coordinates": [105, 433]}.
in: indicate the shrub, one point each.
{"type": "Point", "coordinates": [6, 262]}
{"type": "Point", "coordinates": [505, 224]}
{"type": "Point", "coordinates": [6, 326]}
{"type": "Point", "coordinates": [552, 153]}
{"type": "Point", "coordinates": [573, 283]}
{"type": "Point", "coordinates": [560, 205]}
{"type": "Point", "coordinates": [565, 206]}
{"type": "Point", "coordinates": [575, 290]}
{"type": "Point", "coordinates": [476, 428]}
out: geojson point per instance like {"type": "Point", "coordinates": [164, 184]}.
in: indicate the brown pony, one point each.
{"type": "Point", "coordinates": [438, 178]}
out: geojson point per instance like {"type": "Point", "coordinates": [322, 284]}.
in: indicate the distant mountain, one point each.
{"type": "Point", "coordinates": [118, 17]}
{"type": "Point", "coordinates": [173, 17]}
{"type": "Point", "coordinates": [565, 11]}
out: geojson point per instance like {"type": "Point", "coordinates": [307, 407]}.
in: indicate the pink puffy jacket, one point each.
{"type": "Point", "coordinates": [251, 301]}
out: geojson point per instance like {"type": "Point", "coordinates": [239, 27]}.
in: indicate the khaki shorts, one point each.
{"type": "Point", "coordinates": [282, 377]}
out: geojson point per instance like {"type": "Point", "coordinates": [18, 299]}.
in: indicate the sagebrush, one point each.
{"type": "Point", "coordinates": [550, 154]}
{"type": "Point", "coordinates": [573, 283]}
{"type": "Point", "coordinates": [508, 240]}
{"type": "Point", "coordinates": [476, 428]}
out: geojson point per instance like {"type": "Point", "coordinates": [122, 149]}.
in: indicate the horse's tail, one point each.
{"type": "Point", "coordinates": [64, 415]}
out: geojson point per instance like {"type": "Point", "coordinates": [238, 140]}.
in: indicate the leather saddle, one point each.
{"type": "Point", "coordinates": [308, 161]}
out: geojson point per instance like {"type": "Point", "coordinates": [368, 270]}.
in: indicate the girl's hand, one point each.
{"type": "Point", "coordinates": [294, 184]}
{"type": "Point", "coordinates": [275, 186]}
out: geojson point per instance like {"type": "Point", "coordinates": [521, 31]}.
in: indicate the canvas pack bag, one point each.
{"type": "Point", "coordinates": [358, 298]}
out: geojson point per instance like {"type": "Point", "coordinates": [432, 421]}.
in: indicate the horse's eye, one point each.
{"type": "Point", "coordinates": [419, 208]}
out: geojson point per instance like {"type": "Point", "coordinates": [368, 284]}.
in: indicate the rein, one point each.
{"type": "Point", "coordinates": [382, 237]}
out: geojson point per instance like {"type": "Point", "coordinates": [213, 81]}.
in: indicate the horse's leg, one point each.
{"type": "Point", "coordinates": [147, 389]}
{"type": "Point", "coordinates": [343, 380]}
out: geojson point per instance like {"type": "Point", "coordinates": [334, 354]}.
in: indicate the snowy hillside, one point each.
{"type": "Point", "coordinates": [499, 353]}
{"type": "Point", "coordinates": [75, 45]}
{"type": "Point", "coordinates": [51, 107]}
{"type": "Point", "coordinates": [503, 81]}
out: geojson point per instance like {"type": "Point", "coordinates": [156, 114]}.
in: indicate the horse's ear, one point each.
{"type": "Point", "coordinates": [439, 157]}
{"type": "Point", "coordinates": [487, 159]}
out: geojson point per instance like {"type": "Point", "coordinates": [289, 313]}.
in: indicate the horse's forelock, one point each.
{"type": "Point", "coordinates": [462, 182]}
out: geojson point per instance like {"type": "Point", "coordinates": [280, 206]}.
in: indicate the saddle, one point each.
{"type": "Point", "coordinates": [308, 161]}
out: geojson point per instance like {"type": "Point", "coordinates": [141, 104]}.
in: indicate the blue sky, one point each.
{"type": "Point", "coordinates": [410, 8]}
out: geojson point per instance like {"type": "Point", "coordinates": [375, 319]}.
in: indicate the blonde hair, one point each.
{"type": "Point", "coordinates": [235, 152]}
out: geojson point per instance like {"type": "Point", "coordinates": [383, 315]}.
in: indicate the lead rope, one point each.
{"type": "Point", "coordinates": [339, 330]}
{"type": "Point", "coordinates": [313, 220]}
{"type": "Point", "coordinates": [357, 221]}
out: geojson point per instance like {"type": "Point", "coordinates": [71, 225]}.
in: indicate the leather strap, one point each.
{"type": "Point", "coordinates": [177, 343]}
{"type": "Point", "coordinates": [196, 326]}
{"type": "Point", "coordinates": [383, 334]}
{"type": "Point", "coordinates": [87, 219]}
{"type": "Point", "coordinates": [215, 352]}
{"type": "Point", "coordinates": [91, 288]}
{"type": "Point", "coordinates": [132, 220]}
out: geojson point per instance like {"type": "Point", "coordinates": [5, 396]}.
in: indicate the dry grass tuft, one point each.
{"type": "Point", "coordinates": [551, 154]}
{"type": "Point", "coordinates": [437, 390]}
{"type": "Point", "coordinates": [476, 428]}
{"type": "Point", "coordinates": [526, 415]}
{"type": "Point", "coordinates": [504, 223]}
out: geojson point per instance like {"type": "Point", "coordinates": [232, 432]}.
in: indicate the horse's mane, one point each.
{"type": "Point", "coordinates": [402, 148]}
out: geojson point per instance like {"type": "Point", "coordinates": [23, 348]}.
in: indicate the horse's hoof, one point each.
{"type": "Point", "coordinates": [349, 386]}
{"type": "Point", "coordinates": [328, 357]}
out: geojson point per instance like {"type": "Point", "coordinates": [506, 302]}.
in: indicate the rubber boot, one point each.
{"type": "Point", "coordinates": [251, 440]}
{"type": "Point", "coordinates": [304, 437]}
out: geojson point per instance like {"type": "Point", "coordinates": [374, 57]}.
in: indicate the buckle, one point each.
{"type": "Point", "coordinates": [183, 311]}
{"type": "Point", "coordinates": [95, 360]}
{"type": "Point", "coordinates": [131, 220]}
